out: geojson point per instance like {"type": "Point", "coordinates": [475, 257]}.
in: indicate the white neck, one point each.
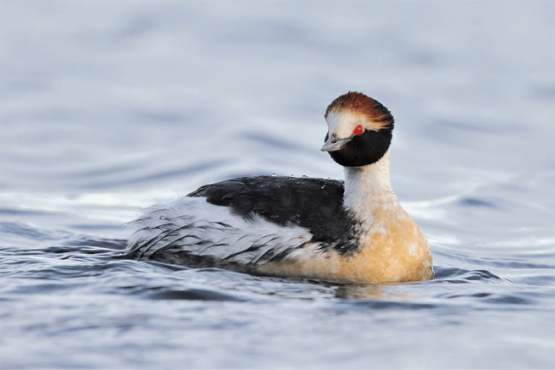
{"type": "Point", "coordinates": [368, 187]}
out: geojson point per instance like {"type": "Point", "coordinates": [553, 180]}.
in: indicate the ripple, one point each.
{"type": "Point", "coordinates": [29, 232]}
{"type": "Point", "coordinates": [20, 212]}
{"type": "Point", "coordinates": [503, 301]}
{"type": "Point", "coordinates": [366, 305]}
{"type": "Point", "coordinates": [536, 280]}
{"type": "Point", "coordinates": [507, 261]}
{"type": "Point", "coordinates": [446, 274]}
{"type": "Point", "coordinates": [474, 202]}
{"type": "Point", "coordinates": [192, 295]}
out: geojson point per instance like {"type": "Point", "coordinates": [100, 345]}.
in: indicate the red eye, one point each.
{"type": "Point", "coordinates": [359, 130]}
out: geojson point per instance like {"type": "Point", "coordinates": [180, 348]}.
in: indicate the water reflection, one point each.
{"type": "Point", "coordinates": [378, 292]}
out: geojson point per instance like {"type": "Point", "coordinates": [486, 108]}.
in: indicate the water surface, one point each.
{"type": "Point", "coordinates": [109, 106]}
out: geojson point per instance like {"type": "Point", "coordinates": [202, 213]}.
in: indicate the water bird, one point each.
{"type": "Point", "coordinates": [352, 231]}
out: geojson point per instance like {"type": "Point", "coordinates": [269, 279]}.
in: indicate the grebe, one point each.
{"type": "Point", "coordinates": [346, 232]}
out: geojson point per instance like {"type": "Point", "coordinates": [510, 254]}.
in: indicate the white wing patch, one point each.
{"type": "Point", "coordinates": [199, 228]}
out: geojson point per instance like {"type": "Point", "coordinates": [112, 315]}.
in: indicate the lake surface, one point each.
{"type": "Point", "coordinates": [108, 106]}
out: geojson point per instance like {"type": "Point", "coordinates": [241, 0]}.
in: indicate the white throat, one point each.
{"type": "Point", "coordinates": [367, 188]}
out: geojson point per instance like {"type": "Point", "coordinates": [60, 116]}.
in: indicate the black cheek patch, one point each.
{"type": "Point", "coordinates": [363, 150]}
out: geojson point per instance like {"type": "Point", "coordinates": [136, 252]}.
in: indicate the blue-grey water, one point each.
{"type": "Point", "coordinates": [109, 106]}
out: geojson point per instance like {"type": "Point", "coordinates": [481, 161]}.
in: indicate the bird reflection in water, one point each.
{"type": "Point", "coordinates": [371, 291]}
